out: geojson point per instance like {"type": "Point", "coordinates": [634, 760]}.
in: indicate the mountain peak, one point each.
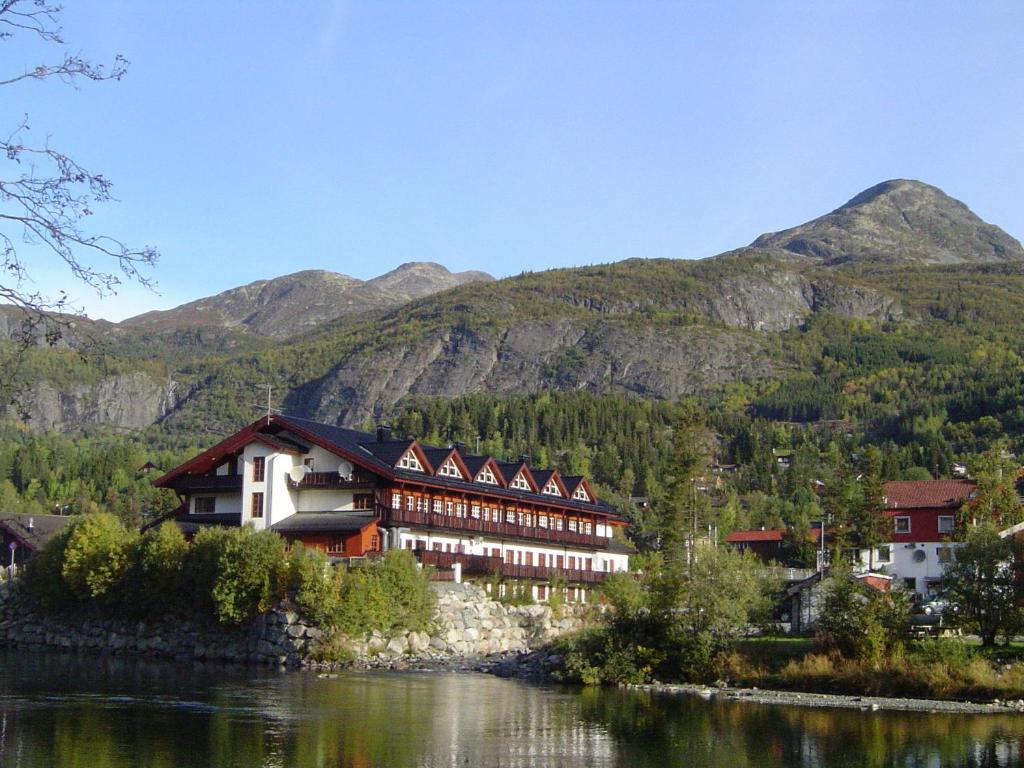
{"type": "Point", "coordinates": [898, 221]}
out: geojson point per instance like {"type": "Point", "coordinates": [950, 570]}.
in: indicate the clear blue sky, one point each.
{"type": "Point", "coordinates": [254, 139]}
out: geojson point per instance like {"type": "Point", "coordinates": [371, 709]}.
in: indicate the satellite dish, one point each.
{"type": "Point", "coordinates": [345, 470]}
{"type": "Point", "coordinates": [919, 556]}
{"type": "Point", "coordinates": [298, 474]}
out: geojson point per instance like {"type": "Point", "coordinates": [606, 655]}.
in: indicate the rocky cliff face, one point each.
{"type": "Point", "coordinates": [133, 400]}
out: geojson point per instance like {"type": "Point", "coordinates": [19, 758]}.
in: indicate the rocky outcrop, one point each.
{"type": "Point", "coordinates": [534, 355]}
{"type": "Point", "coordinates": [132, 400]}
{"type": "Point", "coordinates": [467, 625]}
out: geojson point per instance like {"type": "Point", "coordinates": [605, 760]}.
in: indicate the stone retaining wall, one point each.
{"type": "Point", "coordinates": [467, 624]}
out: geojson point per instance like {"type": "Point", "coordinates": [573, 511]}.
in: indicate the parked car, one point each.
{"type": "Point", "coordinates": [937, 605]}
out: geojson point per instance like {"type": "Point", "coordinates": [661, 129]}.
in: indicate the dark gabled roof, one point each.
{"type": "Point", "coordinates": [382, 456]}
{"type": "Point", "coordinates": [435, 455]}
{"type": "Point", "coordinates": [44, 527]}
{"type": "Point", "coordinates": [475, 463]}
{"type": "Point", "coordinates": [319, 522]}
{"type": "Point", "coordinates": [388, 452]}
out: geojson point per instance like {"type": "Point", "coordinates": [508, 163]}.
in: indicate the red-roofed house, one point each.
{"type": "Point", "coordinates": [766, 543]}
{"type": "Point", "coordinates": [924, 529]}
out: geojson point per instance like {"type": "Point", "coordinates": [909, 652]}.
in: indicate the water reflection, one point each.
{"type": "Point", "coordinates": [68, 711]}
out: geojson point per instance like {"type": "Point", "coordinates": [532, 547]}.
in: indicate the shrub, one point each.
{"type": "Point", "coordinates": [389, 593]}
{"type": "Point", "coordinates": [312, 583]}
{"type": "Point", "coordinates": [161, 567]}
{"type": "Point", "coordinates": [97, 558]}
{"type": "Point", "coordinates": [247, 568]}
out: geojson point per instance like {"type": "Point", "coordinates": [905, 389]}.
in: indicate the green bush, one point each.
{"type": "Point", "coordinates": [309, 580]}
{"type": "Point", "coordinates": [98, 557]}
{"type": "Point", "coordinates": [161, 567]}
{"type": "Point", "coordinates": [389, 593]}
{"type": "Point", "coordinates": [247, 569]}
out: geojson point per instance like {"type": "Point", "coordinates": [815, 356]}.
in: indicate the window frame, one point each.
{"type": "Point", "coordinates": [896, 524]}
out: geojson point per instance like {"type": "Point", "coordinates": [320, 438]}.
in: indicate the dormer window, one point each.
{"type": "Point", "coordinates": [485, 475]}
{"type": "Point", "coordinates": [551, 489]}
{"type": "Point", "coordinates": [519, 482]}
{"type": "Point", "coordinates": [409, 461]}
{"type": "Point", "coordinates": [449, 469]}
{"type": "Point", "coordinates": [581, 494]}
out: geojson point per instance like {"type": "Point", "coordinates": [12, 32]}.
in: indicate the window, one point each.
{"type": "Point", "coordinates": [572, 524]}
{"type": "Point", "coordinates": [205, 505]}
{"type": "Point", "coordinates": [581, 494]}
{"type": "Point", "coordinates": [588, 528]}
{"type": "Point", "coordinates": [396, 501]}
{"type": "Point", "coordinates": [946, 523]}
{"type": "Point", "coordinates": [542, 560]}
{"type": "Point", "coordinates": [410, 503]}
{"type": "Point", "coordinates": [437, 506]}
{"type": "Point", "coordinates": [884, 554]}
{"type": "Point", "coordinates": [460, 509]}
{"type": "Point", "coordinates": [510, 516]}
{"type": "Point", "coordinates": [558, 523]}
{"type": "Point", "coordinates": [449, 469]}
{"type": "Point", "coordinates": [475, 511]}
{"type": "Point", "coordinates": [902, 524]}
{"type": "Point", "coordinates": [485, 475]}
{"type": "Point", "coordinates": [519, 482]}
{"type": "Point", "coordinates": [259, 466]}
{"type": "Point", "coordinates": [336, 545]}
{"type": "Point", "coordinates": [374, 543]}
{"type": "Point", "coordinates": [421, 504]}
{"type": "Point", "coordinates": [309, 463]}
{"type": "Point", "coordinates": [448, 506]}
{"type": "Point", "coordinates": [910, 583]}
{"type": "Point", "coordinates": [551, 489]}
{"type": "Point", "coordinates": [409, 461]}
{"type": "Point", "coordinates": [256, 507]}
{"type": "Point", "coordinates": [542, 521]}
{"type": "Point", "coordinates": [362, 501]}
{"type": "Point", "coordinates": [945, 554]}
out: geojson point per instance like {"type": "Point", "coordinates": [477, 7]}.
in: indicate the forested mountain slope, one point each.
{"type": "Point", "coordinates": [901, 299]}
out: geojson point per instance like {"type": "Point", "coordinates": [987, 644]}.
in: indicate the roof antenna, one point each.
{"type": "Point", "coordinates": [270, 390]}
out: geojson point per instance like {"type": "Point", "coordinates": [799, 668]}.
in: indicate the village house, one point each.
{"type": "Point", "coordinates": [355, 494]}
{"type": "Point", "coordinates": [21, 536]}
{"type": "Point", "coordinates": [923, 533]}
{"type": "Point", "coordinates": [921, 538]}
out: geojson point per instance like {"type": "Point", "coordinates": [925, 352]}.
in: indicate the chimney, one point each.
{"type": "Point", "coordinates": [383, 433]}
{"type": "Point", "coordinates": [525, 458]}
{"type": "Point", "coordinates": [459, 446]}
{"type": "Point", "coordinates": [31, 523]}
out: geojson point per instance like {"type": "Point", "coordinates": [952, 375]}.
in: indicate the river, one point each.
{"type": "Point", "coordinates": [79, 711]}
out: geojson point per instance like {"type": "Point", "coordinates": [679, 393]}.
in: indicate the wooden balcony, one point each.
{"type": "Point", "coordinates": [476, 527]}
{"type": "Point", "coordinates": [209, 483]}
{"type": "Point", "coordinates": [330, 481]}
{"type": "Point", "coordinates": [485, 565]}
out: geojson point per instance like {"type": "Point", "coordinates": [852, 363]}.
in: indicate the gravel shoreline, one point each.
{"type": "Point", "coordinates": [835, 701]}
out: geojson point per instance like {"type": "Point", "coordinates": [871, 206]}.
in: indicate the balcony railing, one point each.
{"type": "Point", "coordinates": [329, 480]}
{"type": "Point", "coordinates": [194, 483]}
{"type": "Point", "coordinates": [476, 565]}
{"type": "Point", "coordinates": [472, 525]}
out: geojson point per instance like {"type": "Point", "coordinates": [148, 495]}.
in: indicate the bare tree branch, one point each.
{"type": "Point", "coordinates": [46, 199]}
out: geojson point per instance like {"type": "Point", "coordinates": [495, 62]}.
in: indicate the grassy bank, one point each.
{"type": "Point", "coordinates": [936, 669]}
